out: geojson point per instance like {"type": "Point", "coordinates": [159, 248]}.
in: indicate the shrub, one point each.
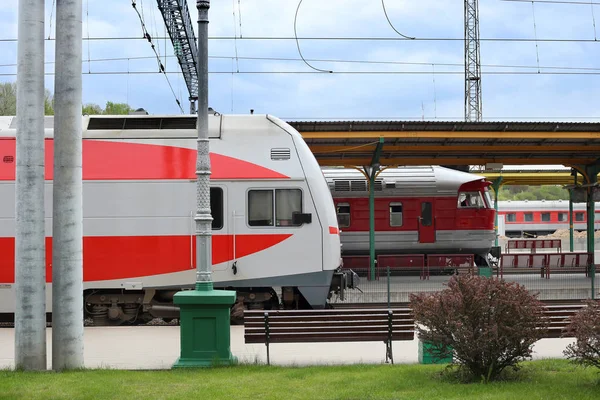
{"type": "Point", "coordinates": [585, 327]}
{"type": "Point", "coordinates": [489, 323]}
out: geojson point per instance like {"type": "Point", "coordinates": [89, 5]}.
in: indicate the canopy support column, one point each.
{"type": "Point", "coordinates": [371, 172]}
{"type": "Point", "coordinates": [571, 240]}
{"type": "Point", "coordinates": [496, 186]}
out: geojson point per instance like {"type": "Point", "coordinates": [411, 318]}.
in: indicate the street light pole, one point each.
{"type": "Point", "coordinates": [203, 216]}
{"type": "Point", "coordinates": [204, 312]}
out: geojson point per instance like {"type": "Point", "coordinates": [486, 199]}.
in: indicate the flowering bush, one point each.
{"type": "Point", "coordinates": [585, 327]}
{"type": "Point", "coordinates": [489, 323]}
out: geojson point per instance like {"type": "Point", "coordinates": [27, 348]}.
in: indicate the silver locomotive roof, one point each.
{"type": "Point", "coordinates": [401, 181]}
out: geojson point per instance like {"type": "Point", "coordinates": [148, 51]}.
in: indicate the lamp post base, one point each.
{"type": "Point", "coordinates": [205, 327]}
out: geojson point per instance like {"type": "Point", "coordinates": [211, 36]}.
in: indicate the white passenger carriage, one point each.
{"type": "Point", "coordinates": [275, 231]}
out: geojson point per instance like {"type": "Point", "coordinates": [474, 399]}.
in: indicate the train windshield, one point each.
{"type": "Point", "coordinates": [471, 200]}
{"type": "Point", "coordinates": [488, 199]}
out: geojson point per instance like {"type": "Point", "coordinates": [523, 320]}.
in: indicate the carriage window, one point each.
{"type": "Point", "coordinates": [216, 207]}
{"type": "Point", "coordinates": [426, 213]}
{"type": "Point", "coordinates": [395, 214]}
{"type": "Point", "coordinates": [528, 217]}
{"type": "Point", "coordinates": [260, 208]}
{"type": "Point", "coordinates": [343, 215]}
{"type": "Point", "coordinates": [287, 202]}
{"type": "Point", "coordinates": [545, 217]}
{"type": "Point", "coordinates": [470, 200]}
{"type": "Point", "coordinates": [562, 217]}
{"type": "Point", "coordinates": [511, 217]}
{"type": "Point", "coordinates": [579, 217]}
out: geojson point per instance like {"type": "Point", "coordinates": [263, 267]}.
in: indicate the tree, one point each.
{"type": "Point", "coordinates": [490, 324]}
{"type": "Point", "coordinates": [117, 108]}
{"type": "Point", "coordinates": [8, 98]}
{"type": "Point", "coordinates": [91, 109]}
{"type": "Point", "coordinates": [8, 103]}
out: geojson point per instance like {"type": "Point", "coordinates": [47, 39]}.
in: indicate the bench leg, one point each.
{"type": "Point", "coordinates": [389, 355]}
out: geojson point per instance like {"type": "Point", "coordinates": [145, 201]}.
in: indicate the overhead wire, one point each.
{"type": "Point", "coordinates": [160, 64]}
{"type": "Point", "coordinates": [390, 22]}
{"type": "Point", "coordinates": [337, 73]}
{"type": "Point", "coordinates": [298, 44]}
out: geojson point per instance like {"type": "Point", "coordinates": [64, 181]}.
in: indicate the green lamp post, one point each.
{"type": "Point", "coordinates": [204, 312]}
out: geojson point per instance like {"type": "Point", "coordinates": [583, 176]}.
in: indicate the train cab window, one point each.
{"type": "Point", "coordinates": [426, 214]}
{"type": "Point", "coordinates": [260, 208]}
{"type": "Point", "coordinates": [562, 217]}
{"type": "Point", "coordinates": [273, 207]}
{"type": "Point", "coordinates": [470, 200]}
{"type": "Point", "coordinates": [528, 217]}
{"type": "Point", "coordinates": [287, 202]}
{"type": "Point", "coordinates": [511, 217]}
{"type": "Point", "coordinates": [216, 207]}
{"type": "Point", "coordinates": [546, 217]}
{"type": "Point", "coordinates": [343, 214]}
{"type": "Point", "coordinates": [395, 214]}
{"type": "Point", "coordinates": [579, 217]}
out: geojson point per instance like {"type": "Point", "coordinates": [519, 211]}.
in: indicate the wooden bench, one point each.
{"type": "Point", "coordinates": [533, 244]}
{"type": "Point", "coordinates": [459, 264]}
{"type": "Point", "coordinates": [522, 264]}
{"type": "Point", "coordinates": [338, 325]}
{"type": "Point", "coordinates": [559, 316]}
{"type": "Point", "coordinates": [568, 263]}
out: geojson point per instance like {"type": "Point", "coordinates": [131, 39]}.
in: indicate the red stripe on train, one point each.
{"type": "Point", "coordinates": [122, 257]}
{"type": "Point", "coordinates": [120, 160]}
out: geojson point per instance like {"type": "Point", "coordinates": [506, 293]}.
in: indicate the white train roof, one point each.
{"type": "Point", "coordinates": [402, 181]}
{"type": "Point", "coordinates": [158, 126]}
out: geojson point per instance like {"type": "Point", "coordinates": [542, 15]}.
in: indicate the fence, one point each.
{"type": "Point", "coordinates": [534, 244]}
{"type": "Point", "coordinates": [553, 276]}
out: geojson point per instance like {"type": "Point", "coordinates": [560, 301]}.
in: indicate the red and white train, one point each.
{"type": "Point", "coordinates": [418, 210]}
{"type": "Point", "coordinates": [543, 217]}
{"type": "Point", "coordinates": [275, 232]}
{"type": "Point", "coordinates": [276, 236]}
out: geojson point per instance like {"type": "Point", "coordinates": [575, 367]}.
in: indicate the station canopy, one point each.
{"type": "Point", "coordinates": [354, 143]}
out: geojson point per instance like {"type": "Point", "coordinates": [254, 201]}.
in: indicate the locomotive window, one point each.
{"type": "Point", "coordinates": [470, 200]}
{"type": "Point", "coordinates": [216, 207]}
{"type": "Point", "coordinates": [579, 217]}
{"type": "Point", "coordinates": [528, 217]}
{"type": "Point", "coordinates": [395, 214]}
{"type": "Point", "coordinates": [488, 199]}
{"type": "Point", "coordinates": [546, 217]}
{"type": "Point", "coordinates": [426, 216]}
{"type": "Point", "coordinates": [562, 217]}
{"type": "Point", "coordinates": [511, 217]}
{"type": "Point", "coordinates": [287, 202]}
{"type": "Point", "coordinates": [343, 215]}
{"type": "Point", "coordinates": [260, 208]}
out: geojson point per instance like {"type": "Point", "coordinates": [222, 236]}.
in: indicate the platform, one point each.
{"type": "Point", "coordinates": [157, 347]}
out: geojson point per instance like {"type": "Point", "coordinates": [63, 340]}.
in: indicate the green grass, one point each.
{"type": "Point", "coordinates": [547, 379]}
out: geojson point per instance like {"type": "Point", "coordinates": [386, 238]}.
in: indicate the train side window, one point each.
{"type": "Point", "coordinates": [287, 202]}
{"type": "Point", "coordinates": [343, 215]}
{"type": "Point", "coordinates": [528, 217]}
{"type": "Point", "coordinates": [579, 217]}
{"type": "Point", "coordinates": [426, 214]}
{"type": "Point", "coordinates": [260, 208]}
{"type": "Point", "coordinates": [216, 207]}
{"type": "Point", "coordinates": [395, 214]}
{"type": "Point", "coordinates": [546, 217]}
{"type": "Point", "coordinates": [470, 200]}
{"type": "Point", "coordinates": [512, 217]}
{"type": "Point", "coordinates": [562, 217]}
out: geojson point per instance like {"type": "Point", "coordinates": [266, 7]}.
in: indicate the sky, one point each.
{"type": "Point", "coordinates": [301, 93]}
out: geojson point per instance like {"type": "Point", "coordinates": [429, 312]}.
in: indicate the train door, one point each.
{"type": "Point", "coordinates": [220, 237]}
{"type": "Point", "coordinates": [426, 222]}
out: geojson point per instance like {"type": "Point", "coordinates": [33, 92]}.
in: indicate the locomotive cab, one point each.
{"type": "Point", "coordinates": [475, 209]}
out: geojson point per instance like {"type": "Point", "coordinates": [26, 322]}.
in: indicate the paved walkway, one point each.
{"type": "Point", "coordinates": [157, 347]}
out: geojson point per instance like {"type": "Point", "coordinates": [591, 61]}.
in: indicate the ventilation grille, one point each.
{"type": "Point", "coordinates": [280, 154]}
{"type": "Point", "coordinates": [354, 186]}
{"type": "Point", "coordinates": [124, 123]}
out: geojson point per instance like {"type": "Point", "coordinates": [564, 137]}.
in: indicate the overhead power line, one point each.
{"type": "Point", "coordinates": [334, 73]}
{"type": "Point", "coordinates": [366, 62]}
{"type": "Point", "coordinates": [366, 38]}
